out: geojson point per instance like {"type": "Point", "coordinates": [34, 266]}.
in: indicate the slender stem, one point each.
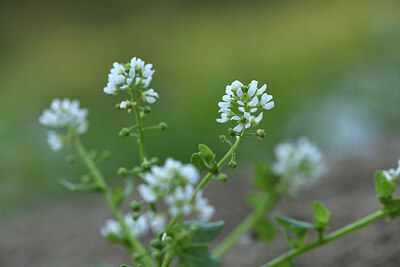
{"type": "Point", "coordinates": [168, 259]}
{"type": "Point", "coordinates": [329, 238]}
{"type": "Point", "coordinates": [95, 172]}
{"type": "Point", "coordinates": [206, 179]}
{"type": "Point", "coordinates": [233, 237]}
{"type": "Point", "coordinates": [142, 148]}
{"type": "Point", "coordinates": [249, 221]}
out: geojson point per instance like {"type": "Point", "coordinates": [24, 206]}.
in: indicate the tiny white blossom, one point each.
{"type": "Point", "coordinates": [301, 162]}
{"type": "Point", "coordinates": [162, 179]}
{"type": "Point", "coordinates": [178, 201]}
{"type": "Point", "coordinates": [202, 209]}
{"type": "Point", "coordinates": [241, 101]}
{"type": "Point", "coordinates": [157, 222]}
{"type": "Point", "coordinates": [64, 115]}
{"type": "Point", "coordinates": [150, 96]}
{"type": "Point", "coordinates": [140, 227]}
{"type": "Point", "coordinates": [54, 140]}
{"type": "Point", "coordinates": [121, 76]}
{"type": "Point", "coordinates": [393, 175]}
{"type": "Point", "coordinates": [111, 227]}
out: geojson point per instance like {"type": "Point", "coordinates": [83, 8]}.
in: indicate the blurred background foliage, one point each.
{"type": "Point", "coordinates": [332, 66]}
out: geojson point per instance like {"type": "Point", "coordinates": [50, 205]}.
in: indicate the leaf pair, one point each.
{"type": "Point", "coordinates": [386, 188]}
{"type": "Point", "coordinates": [204, 160]}
{"type": "Point", "coordinates": [300, 228]}
{"type": "Point", "coordinates": [197, 254]}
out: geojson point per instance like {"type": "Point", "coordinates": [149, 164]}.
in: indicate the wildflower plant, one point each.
{"type": "Point", "coordinates": [170, 204]}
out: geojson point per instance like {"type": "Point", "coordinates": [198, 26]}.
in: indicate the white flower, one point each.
{"type": "Point", "coordinates": [63, 115]}
{"type": "Point", "coordinates": [147, 193]}
{"type": "Point", "coordinates": [150, 96]}
{"type": "Point", "coordinates": [54, 140]}
{"type": "Point", "coordinates": [140, 227]}
{"type": "Point", "coordinates": [122, 75]}
{"type": "Point", "coordinates": [111, 227]}
{"type": "Point", "coordinates": [301, 162]}
{"type": "Point", "coordinates": [157, 222]}
{"type": "Point", "coordinates": [202, 209]}
{"type": "Point", "coordinates": [178, 201]}
{"type": "Point", "coordinates": [163, 179]}
{"type": "Point", "coordinates": [241, 101]}
{"type": "Point", "coordinates": [393, 174]}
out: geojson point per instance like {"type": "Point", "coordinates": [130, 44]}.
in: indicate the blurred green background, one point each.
{"type": "Point", "coordinates": [332, 66]}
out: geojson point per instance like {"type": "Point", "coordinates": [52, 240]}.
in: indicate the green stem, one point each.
{"type": "Point", "coordinates": [329, 238]}
{"type": "Point", "coordinates": [206, 179]}
{"type": "Point", "coordinates": [248, 223]}
{"type": "Point", "coordinates": [233, 237]}
{"type": "Point", "coordinates": [168, 259]}
{"type": "Point", "coordinates": [142, 148]}
{"type": "Point", "coordinates": [95, 172]}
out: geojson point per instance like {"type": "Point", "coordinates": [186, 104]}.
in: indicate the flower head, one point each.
{"type": "Point", "coordinates": [111, 228]}
{"type": "Point", "coordinates": [63, 115]}
{"type": "Point", "coordinates": [179, 201]}
{"type": "Point", "coordinates": [162, 180]}
{"type": "Point", "coordinates": [393, 175]}
{"type": "Point", "coordinates": [136, 74]}
{"type": "Point", "coordinates": [300, 161]}
{"type": "Point", "coordinates": [241, 103]}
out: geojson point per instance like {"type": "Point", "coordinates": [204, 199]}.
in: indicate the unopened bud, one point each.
{"type": "Point", "coordinates": [135, 206]}
{"type": "Point", "coordinates": [260, 133]}
{"type": "Point", "coordinates": [156, 243]}
{"type": "Point", "coordinates": [124, 132]}
{"type": "Point", "coordinates": [146, 165]}
{"type": "Point", "coordinates": [163, 126]}
{"type": "Point", "coordinates": [122, 171]}
{"type": "Point", "coordinates": [232, 164]}
{"type": "Point", "coordinates": [222, 177]}
{"type": "Point", "coordinates": [231, 132]}
{"type": "Point", "coordinates": [146, 109]}
{"type": "Point", "coordinates": [154, 160]}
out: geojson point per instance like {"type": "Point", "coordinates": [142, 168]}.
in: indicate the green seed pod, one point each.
{"type": "Point", "coordinates": [135, 206]}
{"type": "Point", "coordinates": [163, 126]}
{"type": "Point", "coordinates": [232, 164]}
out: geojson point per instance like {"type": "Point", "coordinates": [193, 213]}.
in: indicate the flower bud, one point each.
{"type": "Point", "coordinates": [232, 164]}
{"type": "Point", "coordinates": [260, 134]}
{"type": "Point", "coordinates": [146, 109]}
{"type": "Point", "coordinates": [136, 215]}
{"type": "Point", "coordinates": [154, 160]}
{"type": "Point", "coordinates": [146, 165]}
{"type": "Point", "coordinates": [163, 126]}
{"type": "Point", "coordinates": [156, 243]}
{"type": "Point", "coordinates": [124, 132]}
{"type": "Point", "coordinates": [122, 171]}
{"type": "Point", "coordinates": [222, 138]}
{"type": "Point", "coordinates": [222, 177]}
{"type": "Point", "coordinates": [156, 254]}
{"type": "Point", "coordinates": [231, 132]}
{"type": "Point", "coordinates": [135, 206]}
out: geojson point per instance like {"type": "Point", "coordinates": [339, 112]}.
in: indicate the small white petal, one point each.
{"type": "Point", "coordinates": [239, 92]}
{"type": "Point", "coordinates": [251, 91]}
{"type": "Point", "coordinates": [253, 102]}
{"type": "Point", "coordinates": [269, 105]}
{"type": "Point", "coordinates": [265, 98]}
{"type": "Point", "coordinates": [235, 118]}
{"type": "Point", "coordinates": [238, 128]}
{"type": "Point", "coordinates": [241, 109]}
{"type": "Point", "coordinates": [262, 89]}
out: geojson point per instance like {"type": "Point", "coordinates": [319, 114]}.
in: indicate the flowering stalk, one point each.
{"type": "Point", "coordinates": [95, 172]}
{"type": "Point", "coordinates": [142, 147]}
{"type": "Point", "coordinates": [373, 217]}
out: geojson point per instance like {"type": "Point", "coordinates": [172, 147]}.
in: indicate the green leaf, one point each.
{"type": "Point", "coordinates": [80, 187]}
{"type": "Point", "coordinates": [293, 224]}
{"type": "Point", "coordinates": [383, 186]}
{"type": "Point", "coordinates": [197, 256]}
{"type": "Point", "coordinates": [321, 215]}
{"type": "Point", "coordinates": [259, 201]}
{"type": "Point", "coordinates": [299, 229]}
{"type": "Point", "coordinates": [265, 229]}
{"type": "Point", "coordinates": [206, 154]}
{"type": "Point", "coordinates": [198, 162]}
{"type": "Point", "coordinates": [206, 231]}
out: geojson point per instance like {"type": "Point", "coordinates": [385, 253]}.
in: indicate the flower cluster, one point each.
{"type": "Point", "coordinates": [138, 227]}
{"type": "Point", "coordinates": [300, 161]}
{"type": "Point", "coordinates": [241, 103]}
{"type": "Point", "coordinates": [393, 175]}
{"type": "Point", "coordinates": [63, 115]}
{"type": "Point", "coordinates": [174, 183]}
{"type": "Point", "coordinates": [125, 77]}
